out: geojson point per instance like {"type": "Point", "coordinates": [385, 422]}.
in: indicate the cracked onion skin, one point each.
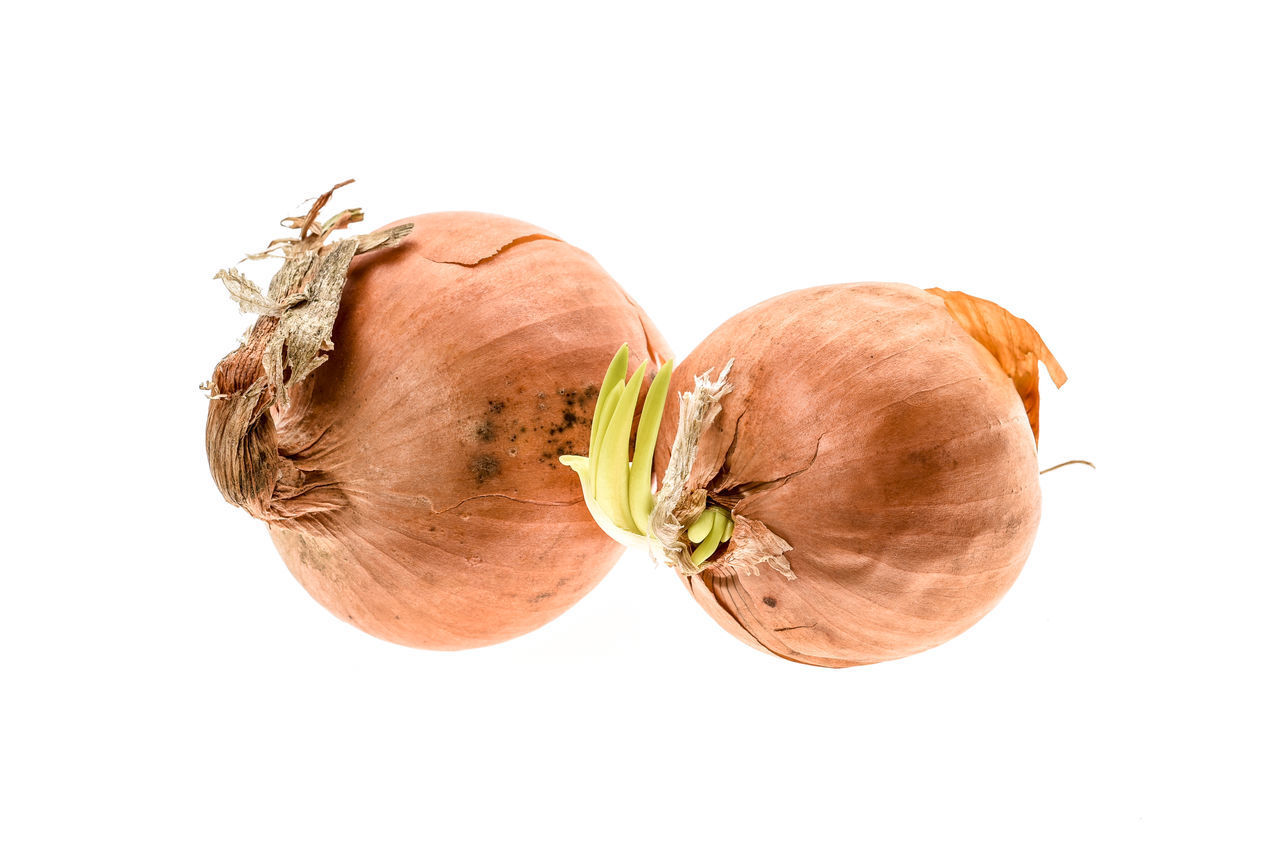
{"type": "Point", "coordinates": [888, 447]}
{"type": "Point", "coordinates": [417, 492]}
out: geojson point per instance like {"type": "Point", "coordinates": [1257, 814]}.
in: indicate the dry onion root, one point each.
{"type": "Point", "coordinates": [396, 413]}
{"type": "Point", "coordinates": [869, 488]}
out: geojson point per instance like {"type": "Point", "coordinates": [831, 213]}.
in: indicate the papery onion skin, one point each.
{"type": "Point", "coordinates": [869, 430]}
{"type": "Point", "coordinates": [417, 491]}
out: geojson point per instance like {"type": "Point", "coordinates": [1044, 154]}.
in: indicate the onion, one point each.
{"type": "Point", "coordinates": [407, 468]}
{"type": "Point", "coordinates": [869, 488]}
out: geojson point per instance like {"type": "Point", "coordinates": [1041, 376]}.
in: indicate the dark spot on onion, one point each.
{"type": "Point", "coordinates": [484, 431]}
{"type": "Point", "coordinates": [484, 467]}
{"type": "Point", "coordinates": [770, 602]}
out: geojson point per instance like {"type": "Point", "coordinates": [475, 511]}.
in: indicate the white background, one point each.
{"type": "Point", "coordinates": [1107, 170]}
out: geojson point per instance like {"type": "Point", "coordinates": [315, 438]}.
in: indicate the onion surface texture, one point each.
{"type": "Point", "coordinates": [396, 415]}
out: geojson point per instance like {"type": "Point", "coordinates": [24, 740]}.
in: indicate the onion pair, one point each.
{"type": "Point", "coordinates": [397, 412]}
{"type": "Point", "coordinates": [848, 476]}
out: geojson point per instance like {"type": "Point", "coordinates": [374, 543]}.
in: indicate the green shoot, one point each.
{"type": "Point", "coordinates": [640, 479]}
{"type": "Point", "coordinates": [612, 377]}
{"type": "Point", "coordinates": [701, 527]}
{"type": "Point", "coordinates": [719, 525]}
{"type": "Point", "coordinates": [613, 471]}
{"type": "Point", "coordinates": [618, 490]}
{"type": "Point", "coordinates": [604, 410]}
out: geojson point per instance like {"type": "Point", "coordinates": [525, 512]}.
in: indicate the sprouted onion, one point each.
{"type": "Point", "coordinates": [865, 489]}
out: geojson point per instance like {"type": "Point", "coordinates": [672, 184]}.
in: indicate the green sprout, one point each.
{"type": "Point", "coordinates": [712, 528]}
{"type": "Point", "coordinates": [618, 489]}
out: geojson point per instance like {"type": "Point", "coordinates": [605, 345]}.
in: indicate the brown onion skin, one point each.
{"type": "Point", "coordinates": [888, 448]}
{"type": "Point", "coordinates": [433, 511]}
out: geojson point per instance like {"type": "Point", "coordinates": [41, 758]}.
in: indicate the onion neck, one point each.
{"type": "Point", "coordinates": [287, 342]}
{"type": "Point", "coordinates": [240, 439]}
{"type": "Point", "coordinates": [242, 444]}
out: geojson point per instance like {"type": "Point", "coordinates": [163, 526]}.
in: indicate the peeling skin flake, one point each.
{"type": "Point", "coordinates": [754, 545]}
{"type": "Point", "coordinates": [1012, 341]}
